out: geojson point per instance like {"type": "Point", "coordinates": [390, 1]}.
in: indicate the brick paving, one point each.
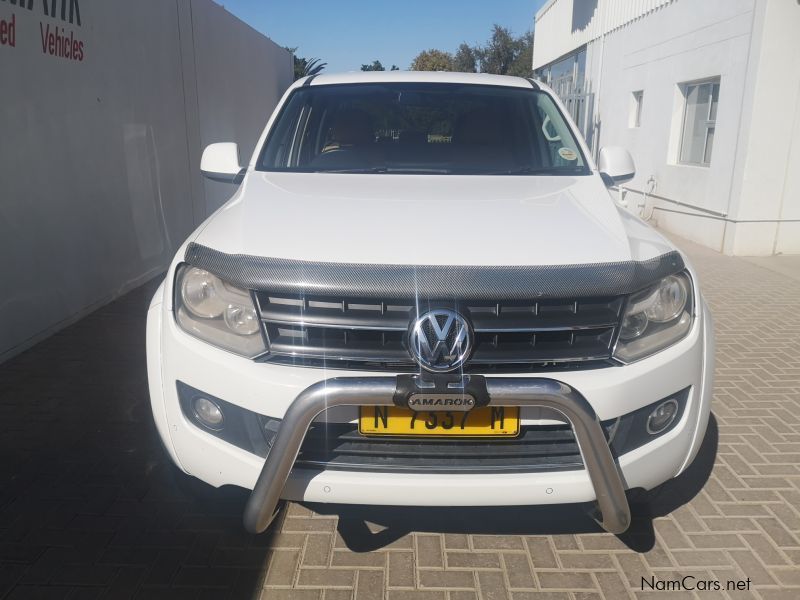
{"type": "Point", "coordinates": [88, 507]}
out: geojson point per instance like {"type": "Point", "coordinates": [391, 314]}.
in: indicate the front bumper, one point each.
{"type": "Point", "coordinates": [271, 390]}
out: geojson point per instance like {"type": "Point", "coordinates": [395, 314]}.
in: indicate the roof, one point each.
{"type": "Point", "coordinates": [563, 26]}
{"type": "Point", "coordinates": [416, 77]}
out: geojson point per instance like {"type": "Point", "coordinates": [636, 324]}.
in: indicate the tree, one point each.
{"type": "Point", "coordinates": [465, 59]}
{"type": "Point", "coordinates": [500, 52]}
{"type": "Point", "coordinates": [523, 63]}
{"type": "Point", "coordinates": [313, 66]}
{"type": "Point", "coordinates": [303, 66]}
{"type": "Point", "coordinates": [375, 66]}
{"type": "Point", "coordinates": [503, 54]}
{"type": "Point", "coordinates": [433, 60]}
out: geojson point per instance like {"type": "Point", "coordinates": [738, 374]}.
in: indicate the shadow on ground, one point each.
{"type": "Point", "coordinates": [395, 522]}
{"type": "Point", "coordinates": [89, 507]}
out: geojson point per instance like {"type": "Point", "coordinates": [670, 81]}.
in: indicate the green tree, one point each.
{"type": "Point", "coordinates": [433, 60]}
{"type": "Point", "coordinates": [523, 63]}
{"type": "Point", "coordinates": [375, 66]}
{"type": "Point", "coordinates": [503, 54]}
{"type": "Point", "coordinates": [305, 66]}
{"type": "Point", "coordinates": [499, 53]}
{"type": "Point", "coordinates": [465, 59]}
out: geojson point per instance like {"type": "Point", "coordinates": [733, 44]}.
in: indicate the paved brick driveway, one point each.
{"type": "Point", "coordinates": [88, 508]}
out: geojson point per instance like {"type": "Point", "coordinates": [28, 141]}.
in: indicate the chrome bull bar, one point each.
{"type": "Point", "coordinates": [613, 513]}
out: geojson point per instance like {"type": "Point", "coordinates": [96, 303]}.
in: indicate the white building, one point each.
{"type": "Point", "coordinates": [706, 96]}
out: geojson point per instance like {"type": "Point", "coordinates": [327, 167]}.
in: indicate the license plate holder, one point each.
{"type": "Point", "coordinates": [443, 392]}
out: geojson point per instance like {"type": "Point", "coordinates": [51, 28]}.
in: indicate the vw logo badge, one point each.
{"type": "Point", "coordinates": [440, 340]}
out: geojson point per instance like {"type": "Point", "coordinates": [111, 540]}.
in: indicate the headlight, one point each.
{"type": "Point", "coordinates": [217, 312]}
{"type": "Point", "coordinates": [655, 318]}
{"type": "Point", "coordinates": [201, 293]}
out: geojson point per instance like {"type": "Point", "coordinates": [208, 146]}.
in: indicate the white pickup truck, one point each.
{"type": "Point", "coordinates": [422, 293]}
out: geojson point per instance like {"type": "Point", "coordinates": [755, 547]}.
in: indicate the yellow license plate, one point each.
{"type": "Point", "coordinates": [487, 421]}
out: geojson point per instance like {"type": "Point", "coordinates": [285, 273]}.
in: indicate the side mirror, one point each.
{"type": "Point", "coordinates": [615, 165]}
{"type": "Point", "coordinates": [220, 162]}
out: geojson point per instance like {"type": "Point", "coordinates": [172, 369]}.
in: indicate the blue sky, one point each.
{"type": "Point", "coordinates": [347, 33]}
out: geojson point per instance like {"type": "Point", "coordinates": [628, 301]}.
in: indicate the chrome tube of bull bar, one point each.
{"type": "Point", "coordinates": [614, 513]}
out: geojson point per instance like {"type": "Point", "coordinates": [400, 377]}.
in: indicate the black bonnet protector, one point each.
{"type": "Point", "coordinates": [465, 282]}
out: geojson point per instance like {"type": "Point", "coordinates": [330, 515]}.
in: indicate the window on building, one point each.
{"type": "Point", "coordinates": [636, 108]}
{"type": "Point", "coordinates": [699, 121]}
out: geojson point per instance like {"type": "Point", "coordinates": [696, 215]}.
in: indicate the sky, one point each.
{"type": "Point", "coordinates": [349, 33]}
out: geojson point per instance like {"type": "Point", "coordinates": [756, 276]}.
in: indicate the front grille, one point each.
{"type": "Point", "coordinates": [370, 334]}
{"type": "Point", "coordinates": [536, 448]}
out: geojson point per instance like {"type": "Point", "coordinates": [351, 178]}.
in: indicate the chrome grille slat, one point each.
{"type": "Point", "coordinates": [333, 324]}
{"type": "Point", "coordinates": [354, 332]}
{"type": "Point", "coordinates": [364, 352]}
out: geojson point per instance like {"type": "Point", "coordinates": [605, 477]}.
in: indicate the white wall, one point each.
{"type": "Point", "coordinates": [766, 202]}
{"type": "Point", "coordinates": [749, 196]}
{"type": "Point", "coordinates": [686, 41]}
{"type": "Point", "coordinates": [560, 26]}
{"type": "Point", "coordinates": [99, 158]}
{"type": "Point", "coordinates": [241, 77]}
{"type": "Point", "coordinates": [754, 175]}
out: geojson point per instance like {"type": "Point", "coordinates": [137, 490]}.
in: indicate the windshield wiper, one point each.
{"type": "Point", "coordinates": [407, 170]}
{"type": "Point", "coordinates": [419, 170]}
{"type": "Point", "coordinates": [527, 170]}
{"type": "Point", "coordinates": [538, 171]}
{"type": "Point", "coordinates": [356, 170]}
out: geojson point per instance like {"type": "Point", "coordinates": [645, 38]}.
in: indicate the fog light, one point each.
{"type": "Point", "coordinates": [208, 413]}
{"type": "Point", "coordinates": [662, 417]}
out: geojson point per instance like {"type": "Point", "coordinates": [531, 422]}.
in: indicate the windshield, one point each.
{"type": "Point", "coordinates": [421, 128]}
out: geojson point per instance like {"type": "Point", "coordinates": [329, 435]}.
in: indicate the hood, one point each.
{"type": "Point", "coordinates": [427, 220]}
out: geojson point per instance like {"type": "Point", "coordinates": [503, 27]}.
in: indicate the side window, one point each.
{"type": "Point", "coordinates": [699, 122]}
